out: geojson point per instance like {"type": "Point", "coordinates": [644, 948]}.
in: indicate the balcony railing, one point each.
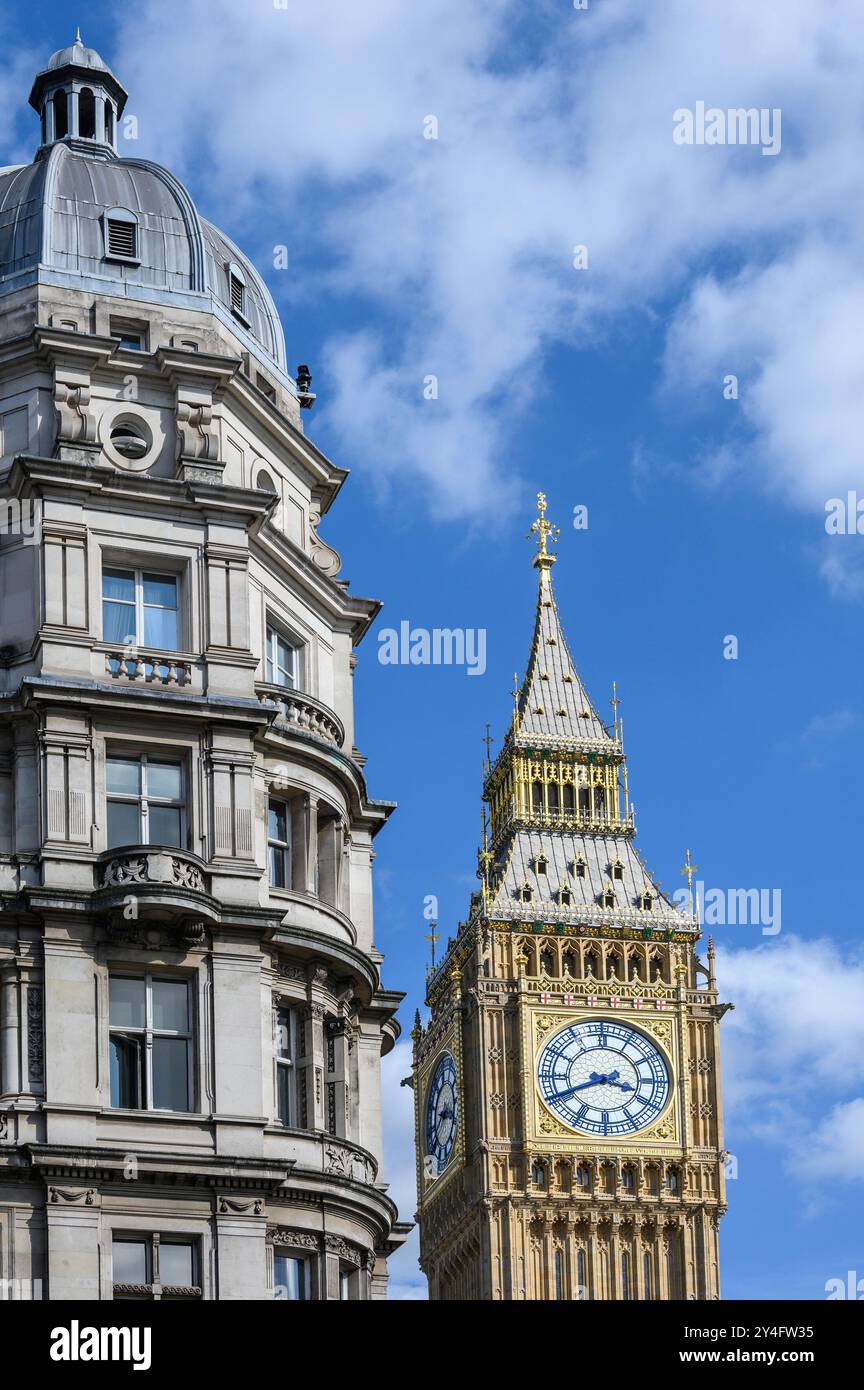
{"type": "Point", "coordinates": [149, 668]}
{"type": "Point", "coordinates": [301, 711]}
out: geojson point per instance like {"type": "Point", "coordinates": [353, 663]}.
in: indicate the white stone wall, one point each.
{"type": "Point", "coordinates": [226, 1174]}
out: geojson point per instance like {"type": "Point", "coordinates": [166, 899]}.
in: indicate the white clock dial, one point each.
{"type": "Point", "coordinates": [603, 1077]}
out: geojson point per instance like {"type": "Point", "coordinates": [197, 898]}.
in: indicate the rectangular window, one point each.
{"type": "Point", "coordinates": [279, 843]}
{"type": "Point", "coordinates": [281, 660]}
{"type": "Point", "coordinates": [153, 1266]}
{"type": "Point", "coordinates": [141, 608]}
{"type": "Point", "coordinates": [129, 338]}
{"type": "Point", "coordinates": [291, 1278]}
{"type": "Point", "coordinates": [145, 801]}
{"type": "Point", "coordinates": [150, 1043]}
{"type": "Point", "coordinates": [287, 1025]}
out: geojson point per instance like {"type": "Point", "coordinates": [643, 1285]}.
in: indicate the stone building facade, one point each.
{"type": "Point", "coordinates": [567, 1083]}
{"type": "Point", "coordinates": [191, 1009]}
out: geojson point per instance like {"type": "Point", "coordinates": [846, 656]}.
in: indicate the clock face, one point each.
{"type": "Point", "coordinates": [603, 1077]}
{"type": "Point", "coordinates": [442, 1111]}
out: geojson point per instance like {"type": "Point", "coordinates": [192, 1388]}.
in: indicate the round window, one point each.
{"type": "Point", "coordinates": [131, 439]}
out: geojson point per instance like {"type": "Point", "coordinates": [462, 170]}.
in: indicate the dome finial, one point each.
{"type": "Point", "coordinates": [78, 38]}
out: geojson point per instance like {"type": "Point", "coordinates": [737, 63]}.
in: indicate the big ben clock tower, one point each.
{"type": "Point", "coordinates": [567, 1084]}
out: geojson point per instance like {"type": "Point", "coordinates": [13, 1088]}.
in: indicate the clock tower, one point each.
{"type": "Point", "coordinates": [567, 1083]}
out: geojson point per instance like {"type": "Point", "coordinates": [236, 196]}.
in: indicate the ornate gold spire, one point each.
{"type": "Point", "coordinates": [544, 531]}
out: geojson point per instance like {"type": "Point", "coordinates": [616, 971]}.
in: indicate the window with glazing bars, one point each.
{"type": "Point", "coordinates": [145, 801]}
{"type": "Point", "coordinates": [141, 608]}
{"type": "Point", "coordinates": [150, 1042]}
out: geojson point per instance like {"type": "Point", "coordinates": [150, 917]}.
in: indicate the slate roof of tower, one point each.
{"type": "Point", "coordinates": [553, 704]}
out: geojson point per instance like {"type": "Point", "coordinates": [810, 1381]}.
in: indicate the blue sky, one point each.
{"type": "Point", "coordinates": [410, 257]}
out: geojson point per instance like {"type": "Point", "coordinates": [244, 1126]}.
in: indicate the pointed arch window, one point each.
{"type": "Point", "coordinates": [607, 897]}
{"type": "Point", "coordinates": [582, 1178]}
{"type": "Point", "coordinates": [591, 964]}
{"type": "Point", "coordinates": [553, 793]}
{"type": "Point", "coordinates": [646, 900]}
{"type": "Point", "coordinates": [579, 867]}
{"type": "Point", "coordinates": [626, 1290]}
{"type": "Point", "coordinates": [646, 1275]}
{"type": "Point", "coordinates": [582, 1274]}
{"type": "Point", "coordinates": [542, 864]}
{"type": "Point", "coordinates": [538, 1174]}
{"type": "Point", "coordinates": [628, 1178]}
{"type": "Point", "coordinates": [524, 894]}
{"type": "Point", "coordinates": [565, 897]}
{"type": "Point", "coordinates": [569, 798]}
{"type": "Point", "coordinates": [616, 869]}
{"type": "Point", "coordinates": [537, 797]}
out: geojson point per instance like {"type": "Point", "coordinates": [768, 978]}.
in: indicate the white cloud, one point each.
{"type": "Point", "coordinates": [835, 1149]}
{"type": "Point", "coordinates": [793, 1050]}
{"type": "Point", "coordinates": [406, 1278]}
{"type": "Point", "coordinates": [551, 135]}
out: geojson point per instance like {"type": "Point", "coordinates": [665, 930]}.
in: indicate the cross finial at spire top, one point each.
{"type": "Point", "coordinates": [545, 533]}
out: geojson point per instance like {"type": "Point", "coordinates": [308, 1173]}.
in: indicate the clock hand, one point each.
{"type": "Point", "coordinates": [595, 1081]}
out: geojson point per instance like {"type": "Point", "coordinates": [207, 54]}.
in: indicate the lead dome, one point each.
{"type": "Point", "coordinates": [58, 216]}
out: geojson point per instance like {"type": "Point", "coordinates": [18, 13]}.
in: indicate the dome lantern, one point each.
{"type": "Point", "coordinates": [79, 100]}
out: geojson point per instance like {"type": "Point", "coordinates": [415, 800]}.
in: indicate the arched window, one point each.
{"type": "Point", "coordinates": [237, 290]}
{"type": "Point", "coordinates": [673, 1181]}
{"type": "Point", "coordinates": [569, 798]}
{"type": "Point", "coordinates": [264, 482]}
{"type": "Point", "coordinates": [547, 964]}
{"type": "Point", "coordinates": [537, 797]}
{"type": "Point", "coordinates": [584, 801]}
{"type": "Point", "coordinates": [554, 796]}
{"type": "Point", "coordinates": [591, 964]}
{"type": "Point", "coordinates": [628, 1178]}
{"type": "Point", "coordinates": [646, 1274]}
{"type": "Point", "coordinates": [635, 968]}
{"type": "Point", "coordinates": [538, 1174]}
{"type": "Point", "coordinates": [86, 114]}
{"type": "Point", "coordinates": [625, 1275]}
{"type": "Point", "coordinates": [582, 1274]}
{"type": "Point", "coordinates": [109, 123]}
{"type": "Point", "coordinates": [582, 1177]}
{"type": "Point", "coordinates": [61, 115]}
{"type": "Point", "coordinates": [559, 1275]}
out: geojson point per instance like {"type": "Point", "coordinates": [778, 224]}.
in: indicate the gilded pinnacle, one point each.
{"type": "Point", "coordinates": [544, 531]}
